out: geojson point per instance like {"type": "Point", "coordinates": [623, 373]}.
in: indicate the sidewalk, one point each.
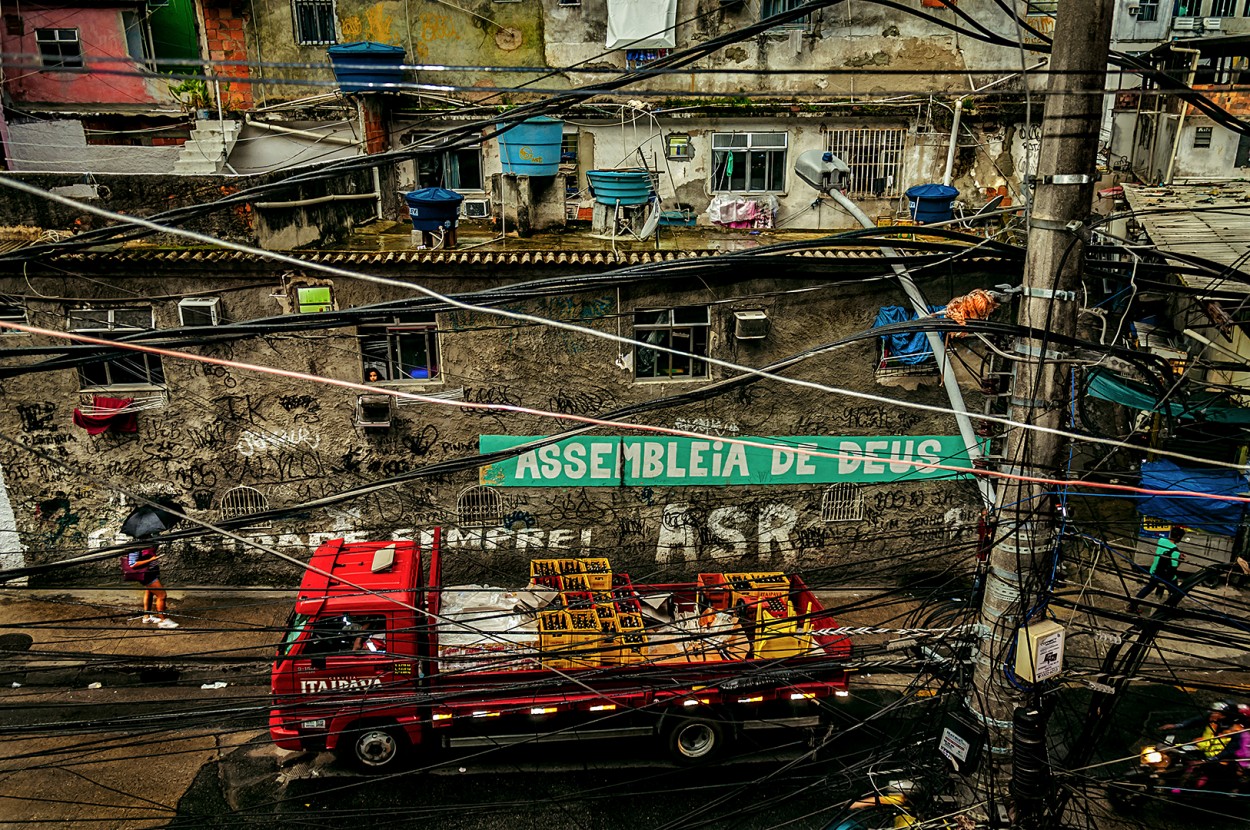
{"type": "Point", "coordinates": [75, 637]}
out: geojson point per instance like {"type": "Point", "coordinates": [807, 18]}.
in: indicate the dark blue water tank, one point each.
{"type": "Point", "coordinates": [931, 202]}
{"type": "Point", "coordinates": [366, 66]}
{"type": "Point", "coordinates": [433, 208]}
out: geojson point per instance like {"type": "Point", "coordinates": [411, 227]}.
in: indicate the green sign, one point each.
{"type": "Point", "coordinates": [677, 461]}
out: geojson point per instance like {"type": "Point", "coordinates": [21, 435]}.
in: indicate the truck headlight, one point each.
{"type": "Point", "coordinates": [1152, 756]}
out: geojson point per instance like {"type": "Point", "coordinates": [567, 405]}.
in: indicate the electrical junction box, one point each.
{"type": "Point", "coordinates": [1039, 651]}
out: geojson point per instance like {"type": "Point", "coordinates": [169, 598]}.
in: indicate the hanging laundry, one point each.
{"type": "Point", "coordinates": [107, 414]}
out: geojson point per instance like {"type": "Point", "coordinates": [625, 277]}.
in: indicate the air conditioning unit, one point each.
{"type": "Point", "coordinates": [1186, 24]}
{"type": "Point", "coordinates": [1134, 10]}
{"type": "Point", "coordinates": [374, 411]}
{"type": "Point", "coordinates": [476, 208]}
{"type": "Point", "coordinates": [1212, 24]}
{"type": "Point", "coordinates": [199, 311]}
{"type": "Point", "coordinates": [750, 325]}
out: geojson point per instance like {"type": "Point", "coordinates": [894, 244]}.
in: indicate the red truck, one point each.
{"type": "Point", "coordinates": [377, 663]}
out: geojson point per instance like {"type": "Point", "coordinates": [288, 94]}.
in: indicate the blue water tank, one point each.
{"type": "Point", "coordinates": [532, 148]}
{"type": "Point", "coordinates": [366, 66]}
{"type": "Point", "coordinates": [433, 208]}
{"type": "Point", "coordinates": [931, 202]}
{"type": "Point", "coordinates": [629, 187]}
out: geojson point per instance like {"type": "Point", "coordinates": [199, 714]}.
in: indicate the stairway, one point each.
{"type": "Point", "coordinates": [208, 148]}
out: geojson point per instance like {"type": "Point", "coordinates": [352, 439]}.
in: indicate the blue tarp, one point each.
{"type": "Point", "coordinates": [1222, 517]}
{"type": "Point", "coordinates": [908, 348]}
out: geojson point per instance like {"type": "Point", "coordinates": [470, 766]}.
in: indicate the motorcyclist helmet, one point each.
{"type": "Point", "coordinates": [1243, 714]}
{"type": "Point", "coordinates": [1223, 709]}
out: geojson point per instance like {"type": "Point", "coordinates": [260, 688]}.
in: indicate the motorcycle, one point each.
{"type": "Point", "coordinates": [1166, 770]}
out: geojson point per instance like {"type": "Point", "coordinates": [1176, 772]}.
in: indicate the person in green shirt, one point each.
{"type": "Point", "coordinates": [1163, 568]}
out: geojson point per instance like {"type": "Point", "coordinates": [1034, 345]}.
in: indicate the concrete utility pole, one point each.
{"type": "Point", "coordinates": [1019, 562]}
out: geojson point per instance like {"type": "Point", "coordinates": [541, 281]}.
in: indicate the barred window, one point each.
{"type": "Point", "coordinates": [314, 22]}
{"type": "Point", "coordinates": [874, 155]}
{"type": "Point", "coordinates": [479, 506]}
{"type": "Point", "coordinates": [843, 502]}
{"type": "Point", "coordinates": [243, 501]}
{"type": "Point", "coordinates": [133, 368]}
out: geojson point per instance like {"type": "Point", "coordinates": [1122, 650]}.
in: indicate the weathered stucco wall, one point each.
{"type": "Point", "coordinates": [61, 146]}
{"type": "Point", "coordinates": [294, 441]}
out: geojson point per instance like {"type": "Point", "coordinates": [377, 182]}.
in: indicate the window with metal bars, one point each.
{"type": "Point", "coordinates": [843, 502]}
{"type": "Point", "coordinates": [684, 329]}
{"type": "Point", "coordinates": [404, 349]}
{"type": "Point", "coordinates": [479, 506]}
{"type": "Point", "coordinates": [314, 22]}
{"type": "Point", "coordinates": [875, 156]}
{"type": "Point", "coordinates": [243, 501]}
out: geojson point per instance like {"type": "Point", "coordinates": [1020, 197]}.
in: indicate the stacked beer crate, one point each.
{"type": "Point", "coordinates": [596, 619]}
{"type": "Point", "coordinates": [763, 606]}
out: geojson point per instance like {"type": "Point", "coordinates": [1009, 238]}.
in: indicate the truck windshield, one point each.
{"type": "Point", "coordinates": [295, 626]}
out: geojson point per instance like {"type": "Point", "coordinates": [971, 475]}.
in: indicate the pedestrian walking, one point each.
{"type": "Point", "coordinates": [1163, 568]}
{"type": "Point", "coordinates": [144, 567]}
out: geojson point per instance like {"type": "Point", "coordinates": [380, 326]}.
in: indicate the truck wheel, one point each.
{"type": "Point", "coordinates": [695, 740]}
{"type": "Point", "coordinates": [376, 747]}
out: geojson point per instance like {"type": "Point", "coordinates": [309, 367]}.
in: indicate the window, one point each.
{"type": "Point", "coordinates": [453, 169]}
{"type": "Point", "coordinates": [243, 501]}
{"type": "Point", "coordinates": [133, 368]}
{"type": "Point", "coordinates": [1202, 137]}
{"type": "Point", "coordinates": [59, 47]}
{"type": "Point", "coordinates": [346, 634]}
{"type": "Point", "coordinates": [677, 146]}
{"type": "Point", "coordinates": [1223, 8]}
{"type": "Point", "coordinates": [570, 2]}
{"type": "Point", "coordinates": [12, 314]}
{"type": "Point", "coordinates": [682, 329]}
{"type": "Point", "coordinates": [1042, 8]}
{"type": "Point", "coordinates": [314, 22]}
{"type": "Point", "coordinates": [768, 8]}
{"type": "Point", "coordinates": [842, 502]}
{"type": "Point", "coordinates": [1187, 8]}
{"type": "Point", "coordinates": [638, 58]}
{"type": "Point", "coordinates": [199, 311]}
{"type": "Point", "coordinates": [135, 30]}
{"type": "Point", "coordinates": [748, 162]}
{"type": "Point", "coordinates": [311, 299]}
{"type": "Point", "coordinates": [569, 152]}
{"type": "Point", "coordinates": [875, 157]}
{"type": "Point", "coordinates": [404, 349]}
{"type": "Point", "coordinates": [1147, 10]}
{"type": "Point", "coordinates": [479, 506]}
{"type": "Point", "coordinates": [1243, 152]}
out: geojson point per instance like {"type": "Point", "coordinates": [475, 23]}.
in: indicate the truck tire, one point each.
{"type": "Point", "coordinates": [695, 740]}
{"type": "Point", "coordinates": [375, 747]}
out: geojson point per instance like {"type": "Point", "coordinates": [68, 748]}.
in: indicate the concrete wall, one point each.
{"type": "Point", "coordinates": [102, 35]}
{"type": "Point", "coordinates": [294, 441]}
{"type": "Point", "coordinates": [61, 147]}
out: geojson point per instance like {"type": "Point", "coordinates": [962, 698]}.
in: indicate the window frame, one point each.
{"type": "Point", "coordinates": [780, 6]}
{"type": "Point", "coordinates": [301, 306]}
{"type": "Point", "coordinates": [315, 7]}
{"type": "Point", "coordinates": [723, 143]}
{"type": "Point", "coordinates": [1203, 137]}
{"type": "Point", "coordinates": [52, 53]}
{"type": "Point", "coordinates": [23, 318]}
{"type": "Point", "coordinates": [1147, 10]}
{"type": "Point", "coordinates": [442, 164]}
{"type": "Point", "coordinates": [870, 151]}
{"type": "Point", "coordinates": [841, 502]}
{"type": "Point", "coordinates": [684, 142]}
{"type": "Point", "coordinates": [153, 368]}
{"type": "Point", "coordinates": [697, 367]}
{"type": "Point", "coordinates": [487, 513]}
{"type": "Point", "coordinates": [393, 336]}
{"type": "Point", "coordinates": [258, 501]}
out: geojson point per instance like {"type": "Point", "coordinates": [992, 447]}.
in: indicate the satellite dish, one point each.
{"type": "Point", "coordinates": [508, 38]}
{"type": "Point", "coordinates": [980, 217]}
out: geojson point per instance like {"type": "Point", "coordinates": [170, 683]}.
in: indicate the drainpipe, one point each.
{"type": "Point", "coordinates": [1180, 122]}
{"type": "Point", "coordinates": [953, 392]}
{"type": "Point", "coordinates": [954, 142]}
{"type": "Point", "coordinates": [321, 137]}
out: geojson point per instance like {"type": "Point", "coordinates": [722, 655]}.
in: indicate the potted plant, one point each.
{"type": "Point", "coordinates": [194, 96]}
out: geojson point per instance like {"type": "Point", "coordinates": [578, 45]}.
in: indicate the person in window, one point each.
{"type": "Point", "coordinates": [371, 637]}
{"type": "Point", "coordinates": [373, 376]}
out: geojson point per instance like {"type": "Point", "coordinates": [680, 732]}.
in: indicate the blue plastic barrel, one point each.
{"type": "Point", "coordinates": [532, 148]}
{"type": "Point", "coordinates": [366, 66]}
{"type": "Point", "coordinates": [433, 208]}
{"type": "Point", "coordinates": [931, 202]}
{"type": "Point", "coordinates": [628, 187]}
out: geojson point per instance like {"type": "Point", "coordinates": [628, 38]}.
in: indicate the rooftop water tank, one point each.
{"type": "Point", "coordinates": [433, 208]}
{"type": "Point", "coordinates": [931, 202]}
{"type": "Point", "coordinates": [366, 66]}
{"type": "Point", "coordinates": [532, 148]}
{"type": "Point", "coordinates": [626, 187]}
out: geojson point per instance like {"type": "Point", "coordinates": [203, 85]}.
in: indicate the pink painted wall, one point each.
{"type": "Point", "coordinates": [102, 35]}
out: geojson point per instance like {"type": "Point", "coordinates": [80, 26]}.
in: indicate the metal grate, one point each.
{"type": "Point", "coordinates": [842, 502]}
{"type": "Point", "coordinates": [243, 501]}
{"type": "Point", "coordinates": [874, 155]}
{"type": "Point", "coordinates": [479, 506]}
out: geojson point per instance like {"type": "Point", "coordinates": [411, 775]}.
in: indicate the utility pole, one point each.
{"type": "Point", "coordinates": [1025, 534]}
